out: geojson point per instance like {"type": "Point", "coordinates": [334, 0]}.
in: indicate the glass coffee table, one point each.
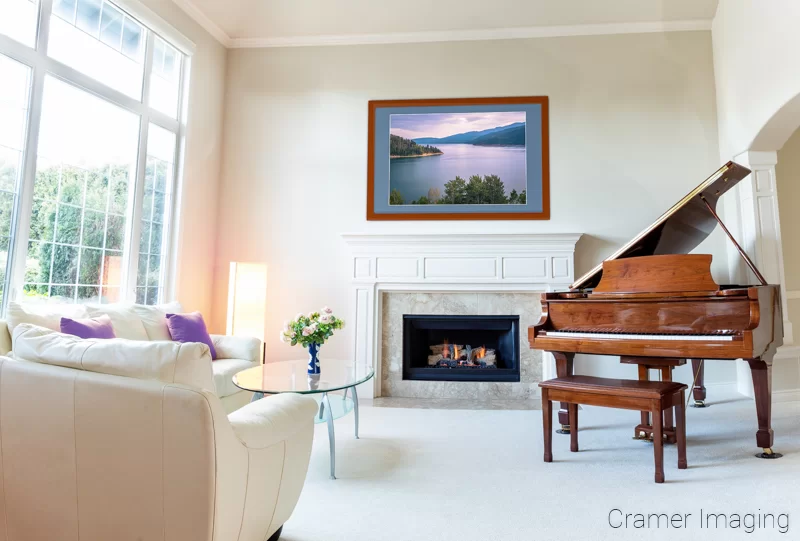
{"type": "Point", "coordinates": [292, 377]}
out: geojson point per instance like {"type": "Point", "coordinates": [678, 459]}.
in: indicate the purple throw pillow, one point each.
{"type": "Point", "coordinates": [99, 327]}
{"type": "Point", "coordinates": [190, 328]}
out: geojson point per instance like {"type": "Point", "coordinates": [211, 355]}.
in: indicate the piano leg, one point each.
{"type": "Point", "coordinates": [564, 368]}
{"type": "Point", "coordinates": [699, 389]}
{"type": "Point", "coordinates": [761, 369]}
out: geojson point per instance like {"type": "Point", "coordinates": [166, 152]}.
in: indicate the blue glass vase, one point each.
{"type": "Point", "coordinates": [313, 360]}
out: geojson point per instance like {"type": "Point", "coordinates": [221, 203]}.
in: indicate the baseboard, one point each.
{"type": "Point", "coordinates": [787, 395]}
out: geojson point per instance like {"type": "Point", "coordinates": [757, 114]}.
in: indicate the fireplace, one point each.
{"type": "Point", "coordinates": [461, 348]}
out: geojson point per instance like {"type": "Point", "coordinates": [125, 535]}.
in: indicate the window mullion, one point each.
{"type": "Point", "coordinates": [133, 232]}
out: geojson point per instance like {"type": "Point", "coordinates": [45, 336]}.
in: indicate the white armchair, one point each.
{"type": "Point", "coordinates": [128, 440]}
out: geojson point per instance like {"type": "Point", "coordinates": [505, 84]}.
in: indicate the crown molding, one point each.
{"type": "Point", "coordinates": [471, 35]}
{"type": "Point", "coordinates": [202, 19]}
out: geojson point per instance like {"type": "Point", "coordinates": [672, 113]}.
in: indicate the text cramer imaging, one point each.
{"type": "Point", "coordinates": [747, 522]}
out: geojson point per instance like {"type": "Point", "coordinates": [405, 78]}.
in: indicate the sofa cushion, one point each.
{"type": "Point", "coordinates": [44, 315]}
{"type": "Point", "coordinates": [190, 328]}
{"type": "Point", "coordinates": [168, 362]}
{"type": "Point", "coordinates": [224, 370]}
{"type": "Point", "coordinates": [99, 327]}
{"type": "Point", "coordinates": [154, 318]}
{"type": "Point", "coordinates": [127, 323]}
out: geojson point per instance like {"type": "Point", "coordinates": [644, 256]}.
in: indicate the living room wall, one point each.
{"type": "Point", "coordinates": [632, 129]}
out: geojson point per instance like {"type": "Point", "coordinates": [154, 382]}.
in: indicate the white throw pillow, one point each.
{"type": "Point", "coordinates": [154, 318]}
{"type": "Point", "coordinates": [125, 320]}
{"type": "Point", "coordinates": [46, 315]}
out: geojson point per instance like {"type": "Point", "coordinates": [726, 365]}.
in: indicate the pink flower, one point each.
{"type": "Point", "coordinates": [327, 310]}
{"type": "Point", "coordinates": [324, 318]}
{"type": "Point", "coordinates": [307, 331]}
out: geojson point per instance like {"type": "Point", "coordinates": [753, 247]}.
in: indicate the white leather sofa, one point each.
{"type": "Point", "coordinates": [144, 323]}
{"type": "Point", "coordinates": [116, 440]}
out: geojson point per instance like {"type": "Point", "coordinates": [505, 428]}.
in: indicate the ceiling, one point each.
{"type": "Point", "coordinates": [320, 22]}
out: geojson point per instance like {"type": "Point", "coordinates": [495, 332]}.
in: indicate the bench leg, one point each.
{"type": "Point", "coordinates": [547, 423]}
{"type": "Point", "coordinates": [573, 427]}
{"type": "Point", "coordinates": [680, 427]}
{"type": "Point", "coordinates": [658, 443]}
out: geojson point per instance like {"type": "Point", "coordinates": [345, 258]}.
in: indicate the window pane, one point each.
{"type": "Point", "coordinates": [156, 205]}
{"type": "Point", "coordinates": [14, 91]}
{"type": "Point", "coordinates": [18, 20]}
{"type": "Point", "coordinates": [165, 78]}
{"type": "Point", "coordinates": [100, 41]}
{"type": "Point", "coordinates": [86, 160]}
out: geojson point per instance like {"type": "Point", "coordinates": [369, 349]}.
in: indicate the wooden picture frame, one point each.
{"type": "Point", "coordinates": [386, 202]}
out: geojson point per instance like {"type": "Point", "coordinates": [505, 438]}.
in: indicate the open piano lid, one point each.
{"type": "Point", "coordinates": [679, 230]}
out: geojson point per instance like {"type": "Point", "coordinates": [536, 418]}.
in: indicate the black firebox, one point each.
{"type": "Point", "coordinates": [461, 348]}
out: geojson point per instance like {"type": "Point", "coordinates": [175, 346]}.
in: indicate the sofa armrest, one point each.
{"type": "Point", "coordinates": [237, 347]}
{"type": "Point", "coordinates": [272, 419]}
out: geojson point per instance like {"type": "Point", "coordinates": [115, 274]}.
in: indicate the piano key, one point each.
{"type": "Point", "coordinates": [622, 336]}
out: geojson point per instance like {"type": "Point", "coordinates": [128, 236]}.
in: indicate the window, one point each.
{"type": "Point", "coordinates": [18, 20]}
{"type": "Point", "coordinates": [93, 199]}
{"type": "Point", "coordinates": [13, 119]}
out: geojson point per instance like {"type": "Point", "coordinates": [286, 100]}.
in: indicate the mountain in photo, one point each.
{"type": "Point", "coordinates": [510, 135]}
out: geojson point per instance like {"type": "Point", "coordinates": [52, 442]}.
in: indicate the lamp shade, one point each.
{"type": "Point", "coordinates": [247, 300]}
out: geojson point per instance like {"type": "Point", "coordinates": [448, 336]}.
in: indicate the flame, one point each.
{"type": "Point", "coordinates": [445, 350]}
{"type": "Point", "coordinates": [481, 352]}
{"type": "Point", "coordinates": [455, 352]}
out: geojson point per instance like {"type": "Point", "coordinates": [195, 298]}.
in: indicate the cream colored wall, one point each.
{"type": "Point", "coordinates": [632, 129]}
{"type": "Point", "coordinates": [203, 152]}
{"type": "Point", "coordinates": [755, 47]}
{"type": "Point", "coordinates": [787, 172]}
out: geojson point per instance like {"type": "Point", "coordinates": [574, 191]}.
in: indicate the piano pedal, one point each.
{"type": "Point", "coordinates": [699, 404]}
{"type": "Point", "coordinates": [769, 454]}
{"type": "Point", "coordinates": [563, 430]}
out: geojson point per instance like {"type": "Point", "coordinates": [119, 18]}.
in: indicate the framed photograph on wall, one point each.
{"type": "Point", "coordinates": [459, 159]}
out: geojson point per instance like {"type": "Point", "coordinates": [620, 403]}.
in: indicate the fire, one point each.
{"type": "Point", "coordinates": [481, 352]}
{"type": "Point", "coordinates": [446, 350]}
{"type": "Point", "coordinates": [455, 352]}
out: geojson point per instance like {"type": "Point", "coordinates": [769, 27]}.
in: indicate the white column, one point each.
{"type": "Point", "coordinates": [756, 223]}
{"type": "Point", "coordinates": [760, 223]}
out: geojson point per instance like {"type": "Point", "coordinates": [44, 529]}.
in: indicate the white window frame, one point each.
{"type": "Point", "coordinates": [41, 64]}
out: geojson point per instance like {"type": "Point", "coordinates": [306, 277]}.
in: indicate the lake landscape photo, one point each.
{"type": "Point", "coordinates": [457, 159]}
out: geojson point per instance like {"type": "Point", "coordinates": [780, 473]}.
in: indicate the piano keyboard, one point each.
{"type": "Point", "coordinates": [695, 337]}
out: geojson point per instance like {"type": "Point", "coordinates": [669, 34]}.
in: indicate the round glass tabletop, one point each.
{"type": "Point", "coordinates": [293, 377]}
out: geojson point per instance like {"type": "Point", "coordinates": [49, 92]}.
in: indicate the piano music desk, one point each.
{"type": "Point", "coordinates": [653, 396]}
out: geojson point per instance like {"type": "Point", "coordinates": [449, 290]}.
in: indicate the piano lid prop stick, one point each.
{"type": "Point", "coordinates": [733, 240]}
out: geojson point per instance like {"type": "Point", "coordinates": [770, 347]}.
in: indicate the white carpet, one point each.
{"type": "Point", "coordinates": [461, 475]}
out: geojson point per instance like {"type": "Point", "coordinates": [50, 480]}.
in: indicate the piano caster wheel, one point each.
{"type": "Point", "coordinates": [563, 430]}
{"type": "Point", "coordinates": [699, 404]}
{"type": "Point", "coordinates": [769, 454]}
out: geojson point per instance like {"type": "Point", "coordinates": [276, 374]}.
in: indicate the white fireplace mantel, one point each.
{"type": "Point", "coordinates": [507, 262]}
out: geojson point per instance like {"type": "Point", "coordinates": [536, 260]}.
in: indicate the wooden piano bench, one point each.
{"type": "Point", "coordinates": [652, 396]}
{"type": "Point", "coordinates": [644, 431]}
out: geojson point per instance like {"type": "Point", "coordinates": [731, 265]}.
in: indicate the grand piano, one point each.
{"type": "Point", "coordinates": [654, 299]}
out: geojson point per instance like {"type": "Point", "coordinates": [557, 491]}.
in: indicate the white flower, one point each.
{"type": "Point", "coordinates": [327, 310]}
{"type": "Point", "coordinates": [307, 331]}
{"type": "Point", "coordinates": [283, 337]}
{"type": "Point", "coordinates": [292, 334]}
{"type": "Point", "coordinates": [325, 318]}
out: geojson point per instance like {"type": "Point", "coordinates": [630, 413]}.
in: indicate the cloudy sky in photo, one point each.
{"type": "Point", "coordinates": [443, 124]}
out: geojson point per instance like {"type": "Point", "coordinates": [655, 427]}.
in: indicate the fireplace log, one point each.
{"type": "Point", "coordinates": [437, 349]}
{"type": "Point", "coordinates": [433, 359]}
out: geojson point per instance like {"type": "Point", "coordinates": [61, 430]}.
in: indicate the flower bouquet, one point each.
{"type": "Point", "coordinates": [311, 331]}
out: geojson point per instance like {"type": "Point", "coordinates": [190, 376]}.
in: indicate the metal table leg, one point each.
{"type": "Point", "coordinates": [257, 396]}
{"type": "Point", "coordinates": [331, 437]}
{"type": "Point", "coordinates": [355, 408]}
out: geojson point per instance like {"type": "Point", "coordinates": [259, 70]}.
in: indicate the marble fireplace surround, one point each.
{"type": "Point", "coordinates": [450, 265]}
